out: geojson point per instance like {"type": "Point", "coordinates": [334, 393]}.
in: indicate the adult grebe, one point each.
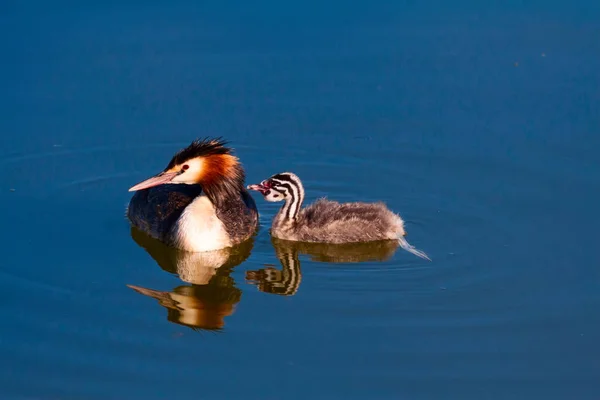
{"type": "Point", "coordinates": [198, 203]}
{"type": "Point", "coordinates": [329, 221]}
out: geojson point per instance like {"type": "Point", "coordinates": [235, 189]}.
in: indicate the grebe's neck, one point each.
{"type": "Point", "coordinates": [288, 214]}
{"type": "Point", "coordinates": [221, 187]}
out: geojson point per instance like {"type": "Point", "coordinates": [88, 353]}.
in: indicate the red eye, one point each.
{"type": "Point", "coordinates": [185, 166]}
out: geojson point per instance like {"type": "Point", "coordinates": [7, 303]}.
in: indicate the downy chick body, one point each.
{"type": "Point", "coordinates": [329, 221]}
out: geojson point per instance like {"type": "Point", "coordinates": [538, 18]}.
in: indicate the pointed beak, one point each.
{"type": "Point", "coordinates": [160, 179]}
{"type": "Point", "coordinates": [261, 187]}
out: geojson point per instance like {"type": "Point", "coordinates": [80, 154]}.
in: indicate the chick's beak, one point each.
{"type": "Point", "coordinates": [261, 187]}
{"type": "Point", "coordinates": [160, 179]}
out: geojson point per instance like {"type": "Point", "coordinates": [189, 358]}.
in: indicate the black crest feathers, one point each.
{"type": "Point", "coordinates": [200, 148]}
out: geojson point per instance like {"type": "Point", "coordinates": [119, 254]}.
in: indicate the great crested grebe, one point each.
{"type": "Point", "coordinates": [329, 221]}
{"type": "Point", "coordinates": [199, 202]}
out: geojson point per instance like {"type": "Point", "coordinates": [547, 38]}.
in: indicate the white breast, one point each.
{"type": "Point", "coordinates": [199, 229]}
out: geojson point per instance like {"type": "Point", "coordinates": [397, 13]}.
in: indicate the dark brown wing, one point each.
{"type": "Point", "coordinates": [154, 211]}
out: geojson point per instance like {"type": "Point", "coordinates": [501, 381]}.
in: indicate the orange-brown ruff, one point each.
{"type": "Point", "coordinates": [198, 202]}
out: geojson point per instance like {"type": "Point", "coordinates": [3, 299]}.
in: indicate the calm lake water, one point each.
{"type": "Point", "coordinates": [479, 124]}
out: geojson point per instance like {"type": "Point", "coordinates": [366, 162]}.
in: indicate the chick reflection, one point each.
{"type": "Point", "coordinates": [286, 281]}
{"type": "Point", "coordinates": [211, 295]}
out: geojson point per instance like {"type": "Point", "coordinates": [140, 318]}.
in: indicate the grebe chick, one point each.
{"type": "Point", "coordinates": [198, 202]}
{"type": "Point", "coordinates": [329, 221]}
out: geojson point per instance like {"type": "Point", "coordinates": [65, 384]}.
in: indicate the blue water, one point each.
{"type": "Point", "coordinates": [479, 124]}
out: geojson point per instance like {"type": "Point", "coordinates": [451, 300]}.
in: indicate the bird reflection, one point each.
{"type": "Point", "coordinates": [211, 294]}
{"type": "Point", "coordinates": [285, 282]}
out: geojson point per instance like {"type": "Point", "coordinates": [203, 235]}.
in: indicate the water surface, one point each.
{"type": "Point", "coordinates": [478, 124]}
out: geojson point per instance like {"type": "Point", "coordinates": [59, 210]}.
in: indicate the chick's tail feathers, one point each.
{"type": "Point", "coordinates": [411, 249]}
